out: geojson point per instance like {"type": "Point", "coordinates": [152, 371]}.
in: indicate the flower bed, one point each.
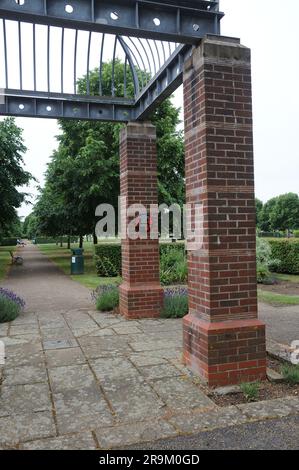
{"type": "Point", "coordinates": [11, 305]}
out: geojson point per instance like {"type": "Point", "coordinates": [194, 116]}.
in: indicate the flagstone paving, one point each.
{"type": "Point", "coordinates": [75, 378]}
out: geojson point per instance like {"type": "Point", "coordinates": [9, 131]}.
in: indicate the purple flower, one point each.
{"type": "Point", "coordinates": [8, 294]}
{"type": "Point", "coordinates": [171, 292]}
{"type": "Point", "coordinates": [102, 290]}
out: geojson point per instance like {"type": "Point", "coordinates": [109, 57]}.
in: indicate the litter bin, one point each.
{"type": "Point", "coordinates": [77, 261]}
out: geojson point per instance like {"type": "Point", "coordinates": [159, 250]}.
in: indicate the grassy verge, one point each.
{"type": "Point", "coordinates": [287, 277]}
{"type": "Point", "coordinates": [62, 258]}
{"type": "Point", "coordinates": [5, 260]}
{"type": "Point", "coordinates": [277, 299]}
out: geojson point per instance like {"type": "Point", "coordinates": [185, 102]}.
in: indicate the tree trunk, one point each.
{"type": "Point", "coordinates": [69, 242]}
{"type": "Point", "coordinates": [81, 242]}
{"type": "Point", "coordinates": [95, 239]}
{"type": "Point", "coordinates": [61, 242]}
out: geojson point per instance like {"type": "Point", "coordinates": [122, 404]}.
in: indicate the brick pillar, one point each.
{"type": "Point", "coordinates": [141, 295]}
{"type": "Point", "coordinates": [224, 342]}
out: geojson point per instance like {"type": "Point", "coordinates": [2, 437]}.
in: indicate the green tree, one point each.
{"type": "Point", "coordinates": [84, 171]}
{"type": "Point", "coordinates": [259, 207]}
{"type": "Point", "coordinates": [284, 214]}
{"type": "Point", "coordinates": [12, 175]}
{"type": "Point", "coordinates": [30, 226]}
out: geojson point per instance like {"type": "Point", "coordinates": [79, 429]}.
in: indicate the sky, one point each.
{"type": "Point", "coordinates": [271, 31]}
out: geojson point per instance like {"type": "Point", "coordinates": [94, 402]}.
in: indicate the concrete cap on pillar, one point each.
{"type": "Point", "coordinates": [139, 129]}
{"type": "Point", "coordinates": [218, 48]}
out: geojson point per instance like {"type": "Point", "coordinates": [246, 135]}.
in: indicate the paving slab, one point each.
{"type": "Point", "coordinates": [213, 419]}
{"type": "Point", "coordinates": [70, 377]}
{"type": "Point", "coordinates": [22, 399]}
{"type": "Point", "coordinates": [276, 408]}
{"type": "Point", "coordinates": [60, 343]}
{"type": "Point", "coordinates": [149, 359]}
{"type": "Point", "coordinates": [64, 357]}
{"type": "Point", "coordinates": [24, 355]}
{"type": "Point", "coordinates": [160, 371]}
{"type": "Point", "coordinates": [24, 375]}
{"type": "Point", "coordinates": [129, 434]}
{"type": "Point", "coordinates": [75, 442]}
{"type": "Point", "coordinates": [95, 347]}
{"type": "Point", "coordinates": [26, 427]}
{"type": "Point", "coordinates": [109, 369]}
{"type": "Point", "coordinates": [81, 409]}
{"type": "Point", "coordinates": [133, 399]}
{"type": "Point", "coordinates": [181, 394]}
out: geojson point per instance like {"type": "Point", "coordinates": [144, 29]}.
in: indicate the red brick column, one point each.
{"type": "Point", "coordinates": [224, 342]}
{"type": "Point", "coordinates": [141, 295]}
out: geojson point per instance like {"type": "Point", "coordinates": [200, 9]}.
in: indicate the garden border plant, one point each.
{"type": "Point", "coordinates": [11, 305]}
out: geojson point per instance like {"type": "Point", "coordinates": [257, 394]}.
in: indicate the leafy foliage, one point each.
{"type": "Point", "coordinates": [287, 253]}
{"type": "Point", "coordinates": [84, 171]}
{"type": "Point", "coordinates": [173, 265]}
{"type": "Point", "coordinates": [250, 390]}
{"type": "Point", "coordinates": [108, 298]}
{"type": "Point", "coordinates": [279, 213]}
{"type": "Point", "coordinates": [10, 305]}
{"type": "Point", "coordinates": [12, 173]}
{"type": "Point", "coordinates": [290, 373]}
{"type": "Point", "coordinates": [108, 260]}
{"type": "Point", "coordinates": [175, 303]}
{"type": "Point", "coordinates": [264, 260]}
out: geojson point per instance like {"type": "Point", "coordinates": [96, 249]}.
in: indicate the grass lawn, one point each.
{"type": "Point", "coordinates": [277, 299]}
{"type": "Point", "coordinates": [5, 260]}
{"type": "Point", "coordinates": [62, 257]}
{"type": "Point", "coordinates": [287, 277]}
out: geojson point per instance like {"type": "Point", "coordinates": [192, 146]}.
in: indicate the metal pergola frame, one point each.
{"type": "Point", "coordinates": [182, 22]}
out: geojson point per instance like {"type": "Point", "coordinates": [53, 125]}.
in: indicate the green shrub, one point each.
{"type": "Point", "coordinates": [175, 303]}
{"type": "Point", "coordinates": [264, 260]}
{"type": "Point", "coordinates": [296, 233]}
{"type": "Point", "coordinates": [49, 240]}
{"type": "Point", "coordinates": [290, 373]}
{"type": "Point", "coordinates": [108, 260]}
{"type": "Point", "coordinates": [250, 390]}
{"type": "Point", "coordinates": [10, 305]}
{"type": "Point", "coordinates": [8, 242]}
{"type": "Point", "coordinates": [173, 265]}
{"type": "Point", "coordinates": [287, 253]}
{"type": "Point", "coordinates": [108, 298]}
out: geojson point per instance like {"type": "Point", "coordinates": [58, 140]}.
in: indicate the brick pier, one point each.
{"type": "Point", "coordinates": [141, 295]}
{"type": "Point", "coordinates": [224, 342]}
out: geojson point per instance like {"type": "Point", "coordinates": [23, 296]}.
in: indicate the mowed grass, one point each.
{"type": "Point", "coordinates": [277, 299]}
{"type": "Point", "coordinates": [5, 260]}
{"type": "Point", "coordinates": [61, 256]}
{"type": "Point", "coordinates": [288, 277]}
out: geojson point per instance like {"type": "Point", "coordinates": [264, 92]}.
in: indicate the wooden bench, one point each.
{"type": "Point", "coordinates": [18, 260]}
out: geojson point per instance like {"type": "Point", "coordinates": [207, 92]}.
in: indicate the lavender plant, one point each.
{"type": "Point", "coordinates": [10, 305]}
{"type": "Point", "coordinates": [175, 302]}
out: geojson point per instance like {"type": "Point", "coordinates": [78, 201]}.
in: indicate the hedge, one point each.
{"type": "Point", "coordinates": [108, 257]}
{"type": "Point", "coordinates": [8, 242]}
{"type": "Point", "coordinates": [287, 253]}
{"type": "Point", "coordinates": [47, 241]}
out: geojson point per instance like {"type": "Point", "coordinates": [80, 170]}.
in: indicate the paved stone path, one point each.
{"type": "Point", "coordinates": [76, 378]}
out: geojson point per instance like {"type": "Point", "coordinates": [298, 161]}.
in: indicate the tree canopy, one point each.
{"type": "Point", "coordinates": [279, 213]}
{"type": "Point", "coordinates": [12, 175]}
{"type": "Point", "coordinates": [84, 171]}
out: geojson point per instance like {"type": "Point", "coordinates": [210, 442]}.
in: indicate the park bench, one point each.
{"type": "Point", "coordinates": [17, 260]}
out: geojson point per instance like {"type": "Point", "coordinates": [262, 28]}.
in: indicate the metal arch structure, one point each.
{"type": "Point", "coordinates": [48, 46]}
